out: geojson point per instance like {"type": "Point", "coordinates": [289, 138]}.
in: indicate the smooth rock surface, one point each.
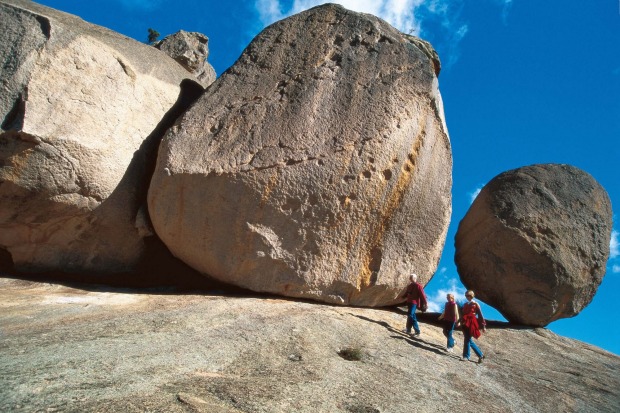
{"type": "Point", "coordinates": [535, 242]}
{"type": "Point", "coordinates": [82, 110]}
{"type": "Point", "coordinates": [64, 349]}
{"type": "Point", "coordinates": [318, 166]}
{"type": "Point", "coordinates": [191, 50]}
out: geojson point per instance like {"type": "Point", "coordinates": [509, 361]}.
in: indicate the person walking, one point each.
{"type": "Point", "coordinates": [450, 317]}
{"type": "Point", "coordinates": [415, 298]}
{"type": "Point", "coordinates": [471, 322]}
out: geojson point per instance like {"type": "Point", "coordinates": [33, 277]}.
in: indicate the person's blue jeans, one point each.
{"type": "Point", "coordinates": [469, 341]}
{"type": "Point", "coordinates": [448, 329]}
{"type": "Point", "coordinates": [411, 318]}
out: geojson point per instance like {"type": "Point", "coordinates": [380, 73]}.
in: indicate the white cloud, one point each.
{"type": "Point", "coordinates": [506, 6]}
{"type": "Point", "coordinates": [399, 13]}
{"type": "Point", "coordinates": [472, 195]}
{"type": "Point", "coordinates": [614, 245]}
{"type": "Point", "coordinates": [453, 42]}
{"type": "Point", "coordinates": [614, 252]}
{"type": "Point", "coordinates": [269, 11]}
{"type": "Point", "coordinates": [406, 15]}
{"type": "Point", "coordinates": [437, 301]}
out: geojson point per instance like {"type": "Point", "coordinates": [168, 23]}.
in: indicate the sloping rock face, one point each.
{"type": "Point", "coordinates": [318, 166]}
{"type": "Point", "coordinates": [72, 350]}
{"type": "Point", "coordinates": [535, 242]}
{"type": "Point", "coordinates": [81, 108]}
{"type": "Point", "coordinates": [191, 50]}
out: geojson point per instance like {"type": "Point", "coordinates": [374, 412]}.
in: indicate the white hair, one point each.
{"type": "Point", "coordinates": [413, 277]}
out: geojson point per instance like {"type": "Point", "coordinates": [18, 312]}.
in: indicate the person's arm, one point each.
{"type": "Point", "coordinates": [442, 314]}
{"type": "Point", "coordinates": [456, 313]}
{"type": "Point", "coordinates": [423, 299]}
{"type": "Point", "coordinates": [481, 319]}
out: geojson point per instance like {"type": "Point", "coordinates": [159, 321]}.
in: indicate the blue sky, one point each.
{"type": "Point", "coordinates": [523, 82]}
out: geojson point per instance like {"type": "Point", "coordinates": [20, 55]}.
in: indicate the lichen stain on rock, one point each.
{"type": "Point", "coordinates": [372, 261]}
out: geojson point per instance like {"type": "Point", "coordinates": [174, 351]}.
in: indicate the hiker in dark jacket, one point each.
{"type": "Point", "coordinates": [471, 321]}
{"type": "Point", "coordinates": [450, 317]}
{"type": "Point", "coordinates": [415, 298]}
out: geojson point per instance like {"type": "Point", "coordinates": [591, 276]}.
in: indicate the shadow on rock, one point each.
{"type": "Point", "coordinates": [416, 342]}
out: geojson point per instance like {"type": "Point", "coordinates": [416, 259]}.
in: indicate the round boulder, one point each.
{"type": "Point", "coordinates": [535, 242]}
{"type": "Point", "coordinates": [318, 166]}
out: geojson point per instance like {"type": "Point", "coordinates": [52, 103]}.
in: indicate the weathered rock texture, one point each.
{"type": "Point", "coordinates": [191, 50]}
{"type": "Point", "coordinates": [71, 350]}
{"type": "Point", "coordinates": [535, 242]}
{"type": "Point", "coordinates": [317, 166]}
{"type": "Point", "coordinates": [81, 109]}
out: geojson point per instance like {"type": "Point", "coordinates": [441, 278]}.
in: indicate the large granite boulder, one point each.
{"type": "Point", "coordinates": [318, 166]}
{"type": "Point", "coordinates": [535, 242]}
{"type": "Point", "coordinates": [81, 108]}
{"type": "Point", "coordinates": [191, 50]}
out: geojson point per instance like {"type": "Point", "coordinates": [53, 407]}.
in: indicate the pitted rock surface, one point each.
{"type": "Point", "coordinates": [535, 242]}
{"type": "Point", "coordinates": [318, 166]}
{"type": "Point", "coordinates": [79, 103]}
{"type": "Point", "coordinates": [191, 50]}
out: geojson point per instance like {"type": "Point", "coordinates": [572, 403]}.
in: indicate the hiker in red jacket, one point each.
{"type": "Point", "coordinates": [415, 298]}
{"type": "Point", "coordinates": [471, 321]}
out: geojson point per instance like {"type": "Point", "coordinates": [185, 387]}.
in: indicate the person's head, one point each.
{"type": "Point", "coordinates": [469, 294]}
{"type": "Point", "coordinates": [450, 297]}
{"type": "Point", "coordinates": [413, 277]}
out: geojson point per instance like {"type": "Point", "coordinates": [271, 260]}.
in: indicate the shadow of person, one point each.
{"type": "Point", "coordinates": [400, 335]}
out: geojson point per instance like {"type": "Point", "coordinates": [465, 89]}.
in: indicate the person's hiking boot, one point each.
{"type": "Point", "coordinates": [416, 334]}
{"type": "Point", "coordinates": [480, 359]}
{"type": "Point", "coordinates": [450, 349]}
{"type": "Point", "coordinates": [464, 359]}
{"type": "Point", "coordinates": [404, 330]}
